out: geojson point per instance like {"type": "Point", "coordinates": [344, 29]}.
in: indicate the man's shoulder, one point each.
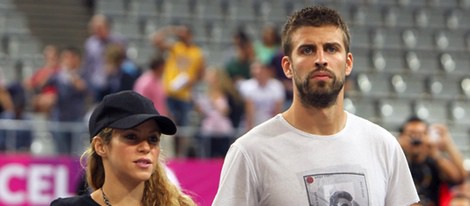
{"type": "Point", "coordinates": [268, 129]}
{"type": "Point", "coordinates": [76, 200]}
{"type": "Point", "coordinates": [362, 121]}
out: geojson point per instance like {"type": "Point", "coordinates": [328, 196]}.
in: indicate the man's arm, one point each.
{"type": "Point", "coordinates": [160, 37]}
{"type": "Point", "coordinates": [447, 156]}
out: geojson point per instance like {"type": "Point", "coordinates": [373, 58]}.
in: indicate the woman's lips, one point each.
{"type": "Point", "coordinates": [143, 163]}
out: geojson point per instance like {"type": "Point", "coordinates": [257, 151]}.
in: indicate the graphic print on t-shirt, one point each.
{"type": "Point", "coordinates": [347, 188]}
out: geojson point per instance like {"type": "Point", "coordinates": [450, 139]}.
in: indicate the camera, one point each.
{"type": "Point", "coordinates": [416, 141]}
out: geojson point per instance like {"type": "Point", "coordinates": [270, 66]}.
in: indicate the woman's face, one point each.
{"type": "Point", "coordinates": [133, 153]}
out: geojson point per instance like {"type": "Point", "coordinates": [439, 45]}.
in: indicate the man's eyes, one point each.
{"type": "Point", "coordinates": [331, 49]}
{"type": "Point", "coordinates": [311, 49]}
{"type": "Point", "coordinates": [307, 50]}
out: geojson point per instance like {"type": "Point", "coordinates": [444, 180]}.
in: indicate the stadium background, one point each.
{"type": "Point", "coordinates": [410, 57]}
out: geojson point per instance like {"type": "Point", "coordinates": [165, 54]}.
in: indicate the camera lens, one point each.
{"type": "Point", "coordinates": [416, 142]}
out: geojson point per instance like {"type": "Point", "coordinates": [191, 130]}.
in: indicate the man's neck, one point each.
{"type": "Point", "coordinates": [319, 121]}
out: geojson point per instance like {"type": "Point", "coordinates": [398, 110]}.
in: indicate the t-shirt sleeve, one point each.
{"type": "Point", "coordinates": [401, 189]}
{"type": "Point", "coordinates": [237, 182]}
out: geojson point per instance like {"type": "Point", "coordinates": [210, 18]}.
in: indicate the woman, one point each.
{"type": "Point", "coordinates": [123, 166]}
{"type": "Point", "coordinates": [216, 127]}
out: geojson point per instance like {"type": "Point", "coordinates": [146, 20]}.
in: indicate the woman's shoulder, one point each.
{"type": "Point", "coordinates": [76, 200]}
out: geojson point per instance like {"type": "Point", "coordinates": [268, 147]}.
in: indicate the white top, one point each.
{"type": "Point", "coordinates": [276, 164]}
{"type": "Point", "coordinates": [264, 97]}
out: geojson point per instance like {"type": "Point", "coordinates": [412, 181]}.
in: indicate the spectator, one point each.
{"type": "Point", "coordinates": [433, 158]}
{"type": "Point", "coordinates": [216, 129]}
{"type": "Point", "coordinates": [238, 66]}
{"type": "Point", "coordinates": [263, 95]}
{"type": "Point", "coordinates": [95, 46]}
{"type": "Point", "coordinates": [42, 95]}
{"type": "Point", "coordinates": [269, 44]}
{"type": "Point", "coordinates": [70, 100]}
{"type": "Point", "coordinates": [183, 69]}
{"type": "Point", "coordinates": [13, 102]}
{"type": "Point", "coordinates": [150, 84]}
{"type": "Point", "coordinates": [116, 79]}
{"type": "Point", "coordinates": [275, 64]}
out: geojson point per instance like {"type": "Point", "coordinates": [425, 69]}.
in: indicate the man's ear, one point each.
{"type": "Point", "coordinates": [287, 67]}
{"type": "Point", "coordinates": [349, 63]}
{"type": "Point", "coordinates": [99, 146]}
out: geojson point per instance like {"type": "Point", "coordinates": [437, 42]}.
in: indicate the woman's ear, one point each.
{"type": "Point", "coordinates": [99, 146]}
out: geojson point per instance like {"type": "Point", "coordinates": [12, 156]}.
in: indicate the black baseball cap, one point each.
{"type": "Point", "coordinates": [125, 110]}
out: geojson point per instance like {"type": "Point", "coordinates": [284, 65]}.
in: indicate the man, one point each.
{"type": "Point", "coordinates": [94, 55]}
{"type": "Point", "coordinates": [264, 95]}
{"type": "Point", "coordinates": [433, 158]}
{"type": "Point", "coordinates": [70, 97]}
{"type": "Point", "coordinates": [315, 149]}
{"type": "Point", "coordinates": [184, 66]}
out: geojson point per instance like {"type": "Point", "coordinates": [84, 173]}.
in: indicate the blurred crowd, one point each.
{"type": "Point", "coordinates": [211, 104]}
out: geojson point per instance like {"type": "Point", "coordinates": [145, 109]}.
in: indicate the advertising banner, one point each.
{"type": "Point", "coordinates": [27, 180]}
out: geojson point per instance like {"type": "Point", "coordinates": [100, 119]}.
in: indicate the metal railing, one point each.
{"type": "Point", "coordinates": [44, 136]}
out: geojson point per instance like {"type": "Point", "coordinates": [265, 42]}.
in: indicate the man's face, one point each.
{"type": "Point", "coordinates": [414, 140]}
{"type": "Point", "coordinates": [415, 133]}
{"type": "Point", "coordinates": [318, 64]}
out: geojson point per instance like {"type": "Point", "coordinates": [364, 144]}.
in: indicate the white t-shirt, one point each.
{"type": "Point", "coordinates": [276, 164]}
{"type": "Point", "coordinates": [264, 97]}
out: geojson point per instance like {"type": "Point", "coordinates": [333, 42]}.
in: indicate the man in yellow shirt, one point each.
{"type": "Point", "coordinates": [183, 69]}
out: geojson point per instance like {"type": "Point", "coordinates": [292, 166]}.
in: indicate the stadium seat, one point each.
{"type": "Point", "coordinates": [393, 112]}
{"type": "Point", "coordinates": [429, 61]}
{"type": "Point", "coordinates": [412, 61]}
{"type": "Point", "coordinates": [144, 8]}
{"type": "Point", "coordinates": [432, 110]}
{"type": "Point", "coordinates": [362, 14]}
{"type": "Point", "coordinates": [460, 112]}
{"type": "Point", "coordinates": [128, 27]}
{"type": "Point", "coordinates": [360, 36]}
{"type": "Point", "coordinates": [409, 86]}
{"type": "Point", "coordinates": [373, 84]}
{"type": "Point", "coordinates": [363, 107]}
{"type": "Point", "coordinates": [111, 7]}
{"type": "Point", "coordinates": [444, 87]}
{"type": "Point", "coordinates": [465, 86]}
{"type": "Point", "coordinates": [362, 61]}
{"type": "Point", "coordinates": [397, 17]}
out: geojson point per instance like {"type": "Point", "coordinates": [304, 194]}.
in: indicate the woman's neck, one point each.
{"type": "Point", "coordinates": [118, 193]}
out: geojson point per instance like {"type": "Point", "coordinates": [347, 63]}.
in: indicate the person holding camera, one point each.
{"type": "Point", "coordinates": [433, 158]}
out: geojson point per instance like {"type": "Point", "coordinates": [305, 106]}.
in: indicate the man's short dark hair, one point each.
{"type": "Point", "coordinates": [156, 62]}
{"type": "Point", "coordinates": [410, 120]}
{"type": "Point", "coordinates": [313, 16]}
